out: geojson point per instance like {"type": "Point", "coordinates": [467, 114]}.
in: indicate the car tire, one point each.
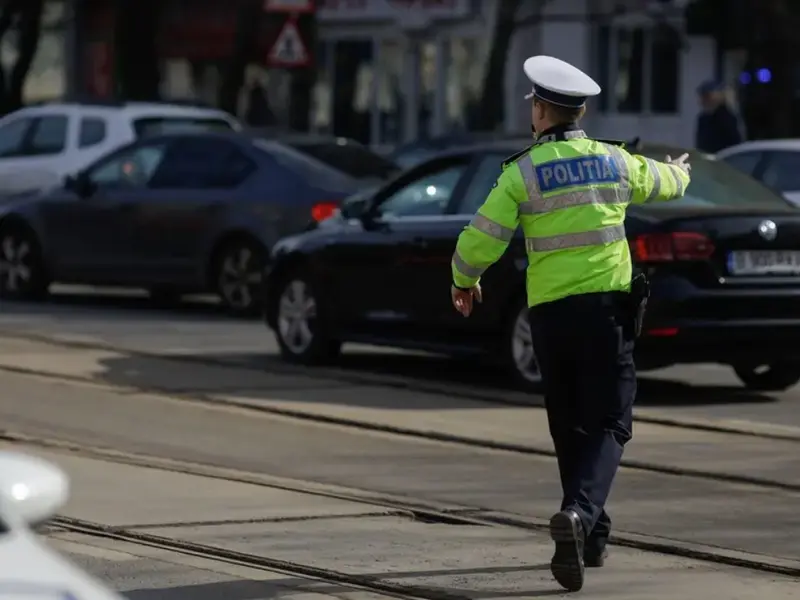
{"type": "Point", "coordinates": [238, 275]}
{"type": "Point", "coordinates": [300, 327]}
{"type": "Point", "coordinates": [519, 356]}
{"type": "Point", "coordinates": [23, 274]}
{"type": "Point", "coordinates": [772, 377]}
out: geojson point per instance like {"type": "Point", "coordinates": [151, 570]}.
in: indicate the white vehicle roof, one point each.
{"type": "Point", "coordinates": [131, 110]}
{"type": "Point", "coordinates": [786, 144]}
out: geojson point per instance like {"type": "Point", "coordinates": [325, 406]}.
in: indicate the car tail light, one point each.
{"type": "Point", "coordinates": [322, 210]}
{"type": "Point", "coordinates": [663, 332]}
{"type": "Point", "coordinates": [667, 247]}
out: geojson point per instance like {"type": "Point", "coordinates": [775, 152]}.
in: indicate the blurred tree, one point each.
{"type": "Point", "coordinates": [248, 27]}
{"type": "Point", "coordinates": [136, 29]}
{"type": "Point", "coordinates": [25, 16]}
{"type": "Point", "coordinates": [492, 102]}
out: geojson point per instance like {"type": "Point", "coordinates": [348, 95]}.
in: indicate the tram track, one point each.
{"type": "Point", "coordinates": [355, 377]}
{"type": "Point", "coordinates": [414, 508]}
{"type": "Point", "coordinates": [427, 434]}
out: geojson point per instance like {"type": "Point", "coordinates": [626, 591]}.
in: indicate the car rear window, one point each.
{"type": "Point", "coordinates": [353, 159]}
{"type": "Point", "coordinates": [717, 184]}
{"type": "Point", "coordinates": [147, 126]}
{"type": "Point", "coordinates": [315, 172]}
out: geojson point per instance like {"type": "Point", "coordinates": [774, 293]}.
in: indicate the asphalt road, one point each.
{"type": "Point", "coordinates": [106, 412]}
{"type": "Point", "coordinates": [131, 322]}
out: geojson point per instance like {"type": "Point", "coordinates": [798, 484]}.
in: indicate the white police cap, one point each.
{"type": "Point", "coordinates": [558, 82]}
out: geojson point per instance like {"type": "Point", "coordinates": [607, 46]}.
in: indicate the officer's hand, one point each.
{"type": "Point", "coordinates": [463, 299]}
{"type": "Point", "coordinates": [682, 162]}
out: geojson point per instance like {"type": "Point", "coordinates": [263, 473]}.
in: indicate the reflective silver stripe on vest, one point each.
{"type": "Point", "coordinates": [624, 188]}
{"type": "Point", "coordinates": [654, 171]}
{"type": "Point", "coordinates": [492, 228]}
{"type": "Point", "coordinates": [531, 185]}
{"type": "Point", "coordinates": [678, 182]}
{"type": "Point", "coordinates": [573, 198]}
{"type": "Point", "coordinates": [607, 235]}
{"type": "Point", "coordinates": [465, 268]}
{"type": "Point", "coordinates": [538, 204]}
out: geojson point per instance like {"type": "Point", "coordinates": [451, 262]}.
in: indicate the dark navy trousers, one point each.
{"type": "Point", "coordinates": [584, 345]}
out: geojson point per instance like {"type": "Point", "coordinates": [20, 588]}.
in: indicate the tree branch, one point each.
{"type": "Point", "coordinates": [30, 27]}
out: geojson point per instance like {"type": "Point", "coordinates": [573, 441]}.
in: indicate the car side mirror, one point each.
{"type": "Point", "coordinates": [33, 489]}
{"type": "Point", "coordinates": [80, 184]}
{"type": "Point", "coordinates": [370, 219]}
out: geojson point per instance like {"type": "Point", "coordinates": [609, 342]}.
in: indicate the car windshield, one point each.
{"type": "Point", "coordinates": [353, 159]}
{"type": "Point", "coordinates": [146, 126]}
{"type": "Point", "coordinates": [310, 169]}
{"type": "Point", "coordinates": [717, 184]}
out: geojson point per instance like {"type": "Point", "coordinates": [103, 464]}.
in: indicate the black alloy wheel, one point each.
{"type": "Point", "coordinates": [239, 276]}
{"type": "Point", "coordinates": [23, 275]}
{"type": "Point", "coordinates": [300, 326]}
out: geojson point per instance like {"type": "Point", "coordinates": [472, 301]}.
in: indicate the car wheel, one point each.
{"type": "Point", "coordinates": [299, 326]}
{"type": "Point", "coordinates": [772, 377]}
{"type": "Point", "coordinates": [520, 357]}
{"type": "Point", "coordinates": [239, 275]}
{"type": "Point", "coordinates": [23, 274]}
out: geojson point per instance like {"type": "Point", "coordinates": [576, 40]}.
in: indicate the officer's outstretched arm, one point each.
{"type": "Point", "coordinates": [655, 181]}
{"type": "Point", "coordinates": [487, 236]}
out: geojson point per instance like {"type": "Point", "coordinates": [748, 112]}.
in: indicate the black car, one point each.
{"type": "Point", "coordinates": [175, 214]}
{"type": "Point", "coordinates": [343, 154]}
{"type": "Point", "coordinates": [413, 153]}
{"type": "Point", "coordinates": [724, 262]}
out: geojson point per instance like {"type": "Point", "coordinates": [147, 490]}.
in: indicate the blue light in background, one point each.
{"type": "Point", "coordinates": [764, 75]}
{"type": "Point", "coordinates": [745, 78]}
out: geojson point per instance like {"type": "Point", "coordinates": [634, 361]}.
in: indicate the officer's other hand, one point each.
{"type": "Point", "coordinates": [682, 162]}
{"type": "Point", "coordinates": [463, 300]}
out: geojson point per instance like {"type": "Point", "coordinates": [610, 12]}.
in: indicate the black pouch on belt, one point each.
{"type": "Point", "coordinates": [640, 292]}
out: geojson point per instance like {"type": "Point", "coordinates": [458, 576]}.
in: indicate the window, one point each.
{"type": "Point", "coordinates": [782, 171]}
{"type": "Point", "coordinates": [629, 88]}
{"type": "Point", "coordinates": [12, 135]}
{"type": "Point", "coordinates": [641, 68]}
{"type": "Point", "coordinates": [92, 131]}
{"type": "Point", "coordinates": [49, 136]}
{"type": "Point", "coordinates": [716, 184]}
{"type": "Point", "coordinates": [202, 164]}
{"type": "Point", "coordinates": [162, 125]}
{"type": "Point", "coordinates": [427, 196]}
{"type": "Point", "coordinates": [481, 184]}
{"type": "Point", "coordinates": [305, 167]}
{"type": "Point", "coordinates": [132, 167]}
{"type": "Point", "coordinates": [746, 162]}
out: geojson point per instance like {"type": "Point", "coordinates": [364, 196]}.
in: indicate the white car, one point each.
{"type": "Point", "coordinates": [773, 162]}
{"type": "Point", "coordinates": [31, 491]}
{"type": "Point", "coordinates": [40, 145]}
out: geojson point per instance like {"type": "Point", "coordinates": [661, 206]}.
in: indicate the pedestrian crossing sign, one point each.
{"type": "Point", "coordinates": [289, 50]}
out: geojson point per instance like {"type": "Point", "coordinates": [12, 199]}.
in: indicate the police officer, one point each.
{"type": "Point", "coordinates": [569, 193]}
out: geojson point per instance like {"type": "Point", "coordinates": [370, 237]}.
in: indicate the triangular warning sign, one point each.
{"type": "Point", "coordinates": [289, 50]}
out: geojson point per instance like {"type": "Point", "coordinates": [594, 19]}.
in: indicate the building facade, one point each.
{"type": "Point", "coordinates": [423, 76]}
{"type": "Point", "coordinates": [390, 71]}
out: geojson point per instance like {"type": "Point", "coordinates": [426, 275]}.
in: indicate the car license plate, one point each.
{"type": "Point", "coordinates": [764, 262]}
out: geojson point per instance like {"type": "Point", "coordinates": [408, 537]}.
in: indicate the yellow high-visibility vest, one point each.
{"type": "Point", "coordinates": [570, 197]}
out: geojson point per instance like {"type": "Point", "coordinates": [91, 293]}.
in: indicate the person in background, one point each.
{"type": "Point", "coordinates": [718, 126]}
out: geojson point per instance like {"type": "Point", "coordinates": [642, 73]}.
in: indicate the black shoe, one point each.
{"type": "Point", "coordinates": [566, 566]}
{"type": "Point", "coordinates": [593, 558]}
